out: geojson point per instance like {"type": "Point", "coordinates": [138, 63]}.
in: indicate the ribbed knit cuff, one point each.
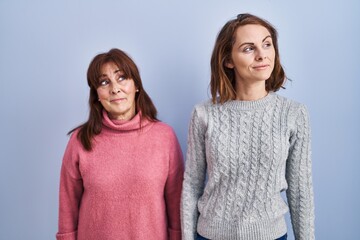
{"type": "Point", "coordinates": [66, 236]}
{"type": "Point", "coordinates": [262, 230]}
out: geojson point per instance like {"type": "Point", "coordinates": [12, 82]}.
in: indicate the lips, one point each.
{"type": "Point", "coordinates": [260, 67]}
{"type": "Point", "coordinates": [118, 100]}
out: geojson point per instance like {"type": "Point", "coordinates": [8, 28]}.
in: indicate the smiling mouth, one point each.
{"type": "Point", "coordinates": [261, 67]}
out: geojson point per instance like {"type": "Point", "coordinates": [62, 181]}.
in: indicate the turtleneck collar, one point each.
{"type": "Point", "coordinates": [131, 125]}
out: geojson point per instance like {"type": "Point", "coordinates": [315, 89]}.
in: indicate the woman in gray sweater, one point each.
{"type": "Point", "coordinates": [251, 143]}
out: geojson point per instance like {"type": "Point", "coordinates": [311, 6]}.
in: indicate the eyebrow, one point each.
{"type": "Point", "coordinates": [250, 43]}
{"type": "Point", "coordinates": [116, 71]}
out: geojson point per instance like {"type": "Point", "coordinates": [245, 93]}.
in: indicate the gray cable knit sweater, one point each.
{"type": "Point", "coordinates": [250, 151]}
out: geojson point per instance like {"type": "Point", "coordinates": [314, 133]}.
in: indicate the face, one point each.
{"type": "Point", "coordinates": [116, 93]}
{"type": "Point", "coordinates": [253, 54]}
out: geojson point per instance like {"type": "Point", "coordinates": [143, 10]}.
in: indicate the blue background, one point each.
{"type": "Point", "coordinates": [45, 49]}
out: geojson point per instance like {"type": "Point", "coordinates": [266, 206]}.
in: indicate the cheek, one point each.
{"type": "Point", "coordinates": [130, 89]}
{"type": "Point", "coordinates": [244, 61]}
{"type": "Point", "coordinates": [272, 55]}
{"type": "Point", "coordinates": [127, 89]}
{"type": "Point", "coordinates": [102, 93]}
{"type": "Point", "coordinates": [132, 95]}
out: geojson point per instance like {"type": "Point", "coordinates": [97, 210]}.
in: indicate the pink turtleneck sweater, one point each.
{"type": "Point", "coordinates": [128, 187]}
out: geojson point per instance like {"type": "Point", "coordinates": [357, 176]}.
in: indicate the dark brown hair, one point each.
{"type": "Point", "coordinates": [223, 78]}
{"type": "Point", "coordinates": [143, 102]}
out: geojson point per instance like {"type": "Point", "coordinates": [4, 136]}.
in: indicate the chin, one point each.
{"type": "Point", "coordinates": [264, 78]}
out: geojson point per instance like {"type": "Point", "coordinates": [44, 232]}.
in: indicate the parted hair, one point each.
{"type": "Point", "coordinates": [144, 104]}
{"type": "Point", "coordinates": [222, 82]}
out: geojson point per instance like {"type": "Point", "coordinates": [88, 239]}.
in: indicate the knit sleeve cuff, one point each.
{"type": "Point", "coordinates": [174, 234]}
{"type": "Point", "coordinates": [66, 236]}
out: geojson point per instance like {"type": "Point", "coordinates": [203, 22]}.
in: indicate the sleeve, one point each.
{"type": "Point", "coordinates": [71, 190]}
{"type": "Point", "coordinates": [195, 173]}
{"type": "Point", "coordinates": [299, 178]}
{"type": "Point", "coordinates": [173, 189]}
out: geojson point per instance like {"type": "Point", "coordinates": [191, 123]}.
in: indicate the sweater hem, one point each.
{"type": "Point", "coordinates": [262, 230]}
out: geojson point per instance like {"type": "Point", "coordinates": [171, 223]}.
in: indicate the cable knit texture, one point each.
{"type": "Point", "coordinates": [127, 187]}
{"type": "Point", "coordinates": [241, 156]}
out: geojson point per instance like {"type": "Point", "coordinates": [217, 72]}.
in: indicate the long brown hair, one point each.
{"type": "Point", "coordinates": [222, 81]}
{"type": "Point", "coordinates": [93, 125]}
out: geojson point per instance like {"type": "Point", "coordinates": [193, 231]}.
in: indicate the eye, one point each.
{"type": "Point", "coordinates": [267, 45]}
{"type": "Point", "coordinates": [248, 49]}
{"type": "Point", "coordinates": [103, 82]}
{"type": "Point", "coordinates": [121, 78]}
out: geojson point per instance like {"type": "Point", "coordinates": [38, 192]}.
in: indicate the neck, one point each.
{"type": "Point", "coordinates": [125, 116]}
{"type": "Point", "coordinates": [250, 92]}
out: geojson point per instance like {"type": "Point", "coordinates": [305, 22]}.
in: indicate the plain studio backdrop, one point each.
{"type": "Point", "coordinates": [46, 47]}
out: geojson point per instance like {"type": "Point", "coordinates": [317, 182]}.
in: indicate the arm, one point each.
{"type": "Point", "coordinates": [71, 189]}
{"type": "Point", "coordinates": [173, 189]}
{"type": "Point", "coordinates": [298, 175]}
{"type": "Point", "coordinates": [195, 172]}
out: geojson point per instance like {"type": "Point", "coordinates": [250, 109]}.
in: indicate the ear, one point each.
{"type": "Point", "coordinates": [229, 64]}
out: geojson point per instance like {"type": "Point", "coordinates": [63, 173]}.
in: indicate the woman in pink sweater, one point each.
{"type": "Point", "coordinates": [122, 170]}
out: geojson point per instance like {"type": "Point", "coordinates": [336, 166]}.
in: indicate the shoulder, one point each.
{"type": "Point", "coordinates": [295, 113]}
{"type": "Point", "coordinates": [75, 137]}
{"type": "Point", "coordinates": [74, 143]}
{"type": "Point", "coordinates": [204, 104]}
{"type": "Point", "coordinates": [74, 134]}
{"type": "Point", "coordinates": [293, 107]}
{"type": "Point", "coordinates": [202, 109]}
{"type": "Point", "coordinates": [163, 129]}
{"type": "Point", "coordinates": [162, 133]}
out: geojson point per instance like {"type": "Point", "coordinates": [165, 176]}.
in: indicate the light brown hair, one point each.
{"type": "Point", "coordinates": [222, 81]}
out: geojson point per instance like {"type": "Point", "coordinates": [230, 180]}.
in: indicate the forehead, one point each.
{"type": "Point", "coordinates": [251, 33]}
{"type": "Point", "coordinates": [109, 68]}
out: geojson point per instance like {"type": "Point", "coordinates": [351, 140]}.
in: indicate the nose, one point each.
{"type": "Point", "coordinates": [115, 89]}
{"type": "Point", "coordinates": [261, 55]}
